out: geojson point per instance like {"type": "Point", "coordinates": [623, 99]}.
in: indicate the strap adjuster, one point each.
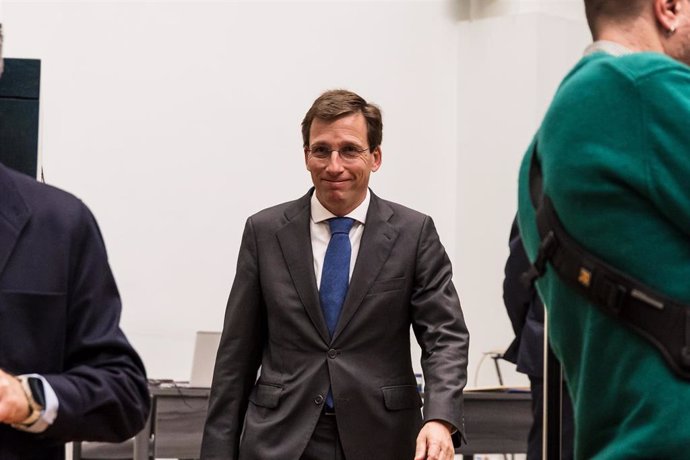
{"type": "Point", "coordinates": [546, 249]}
{"type": "Point", "coordinates": [612, 295]}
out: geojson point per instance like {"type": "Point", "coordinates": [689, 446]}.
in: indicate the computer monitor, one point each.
{"type": "Point", "coordinates": [205, 348]}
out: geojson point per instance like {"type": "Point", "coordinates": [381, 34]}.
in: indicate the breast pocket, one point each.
{"type": "Point", "coordinates": [32, 330]}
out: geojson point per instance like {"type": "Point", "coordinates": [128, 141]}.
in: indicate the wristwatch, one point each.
{"type": "Point", "coordinates": [33, 388]}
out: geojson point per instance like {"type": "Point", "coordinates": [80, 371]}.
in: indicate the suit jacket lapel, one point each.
{"type": "Point", "coordinates": [295, 242]}
{"type": "Point", "coordinates": [377, 242]}
{"type": "Point", "coordinates": [14, 214]}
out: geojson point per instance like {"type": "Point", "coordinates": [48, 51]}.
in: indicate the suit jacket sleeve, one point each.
{"type": "Point", "coordinates": [516, 297]}
{"type": "Point", "coordinates": [440, 329]}
{"type": "Point", "coordinates": [525, 310]}
{"type": "Point", "coordinates": [238, 358]}
{"type": "Point", "coordinates": [102, 390]}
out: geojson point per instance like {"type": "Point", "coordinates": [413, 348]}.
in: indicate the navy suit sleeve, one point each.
{"type": "Point", "coordinates": [525, 310]}
{"type": "Point", "coordinates": [102, 392]}
{"type": "Point", "coordinates": [516, 296]}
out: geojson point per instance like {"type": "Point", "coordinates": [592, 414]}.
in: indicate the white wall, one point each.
{"type": "Point", "coordinates": [176, 120]}
{"type": "Point", "coordinates": [512, 55]}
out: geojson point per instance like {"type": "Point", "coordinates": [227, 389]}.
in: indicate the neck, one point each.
{"type": "Point", "coordinates": [640, 34]}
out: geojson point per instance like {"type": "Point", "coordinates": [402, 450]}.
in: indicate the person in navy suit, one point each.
{"type": "Point", "coordinates": [526, 312]}
{"type": "Point", "coordinates": [67, 371]}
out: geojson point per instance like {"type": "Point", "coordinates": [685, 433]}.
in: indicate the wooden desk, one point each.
{"type": "Point", "coordinates": [494, 423]}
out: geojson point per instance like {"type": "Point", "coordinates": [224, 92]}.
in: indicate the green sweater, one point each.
{"type": "Point", "coordinates": [615, 153]}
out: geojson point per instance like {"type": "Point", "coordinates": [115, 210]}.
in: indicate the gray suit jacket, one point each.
{"type": "Point", "coordinates": [402, 277]}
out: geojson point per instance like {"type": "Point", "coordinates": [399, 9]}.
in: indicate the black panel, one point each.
{"type": "Point", "coordinates": [19, 99]}
{"type": "Point", "coordinates": [21, 79]}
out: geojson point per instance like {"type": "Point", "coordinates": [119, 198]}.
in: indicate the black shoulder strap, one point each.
{"type": "Point", "coordinates": [662, 321]}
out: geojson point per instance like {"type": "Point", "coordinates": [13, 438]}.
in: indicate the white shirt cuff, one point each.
{"type": "Point", "coordinates": [49, 413]}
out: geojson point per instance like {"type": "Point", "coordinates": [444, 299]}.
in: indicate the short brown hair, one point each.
{"type": "Point", "coordinates": [611, 10]}
{"type": "Point", "coordinates": [339, 103]}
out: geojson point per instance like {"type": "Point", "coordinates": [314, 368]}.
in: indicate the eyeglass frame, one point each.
{"type": "Point", "coordinates": [357, 152]}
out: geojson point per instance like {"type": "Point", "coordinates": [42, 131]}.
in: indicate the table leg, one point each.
{"type": "Point", "coordinates": [142, 441]}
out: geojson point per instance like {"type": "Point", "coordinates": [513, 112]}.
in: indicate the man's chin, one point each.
{"type": "Point", "coordinates": [334, 201]}
{"type": "Point", "coordinates": [335, 198]}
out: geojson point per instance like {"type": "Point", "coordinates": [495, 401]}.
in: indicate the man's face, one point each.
{"type": "Point", "coordinates": [341, 182]}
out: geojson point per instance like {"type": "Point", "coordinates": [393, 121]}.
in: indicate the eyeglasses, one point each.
{"type": "Point", "coordinates": [346, 152]}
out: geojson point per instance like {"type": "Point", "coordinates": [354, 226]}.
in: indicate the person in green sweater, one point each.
{"type": "Point", "coordinates": [614, 148]}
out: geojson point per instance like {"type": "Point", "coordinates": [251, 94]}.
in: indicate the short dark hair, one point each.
{"type": "Point", "coordinates": [611, 10]}
{"type": "Point", "coordinates": [339, 103]}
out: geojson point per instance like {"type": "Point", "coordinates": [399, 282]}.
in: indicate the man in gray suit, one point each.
{"type": "Point", "coordinates": [325, 291]}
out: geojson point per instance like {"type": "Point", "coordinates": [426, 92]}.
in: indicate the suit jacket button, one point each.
{"type": "Point", "coordinates": [332, 353]}
{"type": "Point", "coordinates": [318, 400]}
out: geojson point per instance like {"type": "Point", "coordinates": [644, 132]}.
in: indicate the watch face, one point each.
{"type": "Point", "coordinates": [36, 386]}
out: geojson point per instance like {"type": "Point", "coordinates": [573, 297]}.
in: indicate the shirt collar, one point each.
{"type": "Point", "coordinates": [609, 47]}
{"type": "Point", "coordinates": [319, 213]}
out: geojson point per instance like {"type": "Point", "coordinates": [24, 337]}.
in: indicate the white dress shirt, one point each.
{"type": "Point", "coordinates": [321, 232]}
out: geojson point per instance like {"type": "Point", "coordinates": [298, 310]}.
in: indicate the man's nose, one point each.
{"type": "Point", "coordinates": [335, 163]}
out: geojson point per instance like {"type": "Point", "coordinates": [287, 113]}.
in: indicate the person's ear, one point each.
{"type": "Point", "coordinates": [377, 157]}
{"type": "Point", "coordinates": [666, 12]}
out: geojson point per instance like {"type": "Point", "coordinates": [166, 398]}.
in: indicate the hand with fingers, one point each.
{"type": "Point", "coordinates": [14, 405]}
{"type": "Point", "coordinates": [434, 441]}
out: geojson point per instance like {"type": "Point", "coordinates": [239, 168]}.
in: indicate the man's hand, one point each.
{"type": "Point", "coordinates": [14, 406]}
{"type": "Point", "coordinates": [434, 442]}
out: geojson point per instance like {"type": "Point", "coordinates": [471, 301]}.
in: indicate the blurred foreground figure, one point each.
{"type": "Point", "coordinates": [67, 371]}
{"type": "Point", "coordinates": [611, 158]}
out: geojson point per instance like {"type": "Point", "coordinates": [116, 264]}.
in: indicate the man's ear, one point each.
{"type": "Point", "coordinates": [666, 12]}
{"type": "Point", "coordinates": [377, 155]}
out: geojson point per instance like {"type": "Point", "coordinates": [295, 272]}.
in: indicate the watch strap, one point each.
{"type": "Point", "coordinates": [35, 408]}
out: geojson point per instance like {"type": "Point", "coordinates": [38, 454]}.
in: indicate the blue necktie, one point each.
{"type": "Point", "coordinates": [335, 276]}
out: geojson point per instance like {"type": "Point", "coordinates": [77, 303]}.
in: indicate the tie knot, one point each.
{"type": "Point", "coordinates": [340, 224]}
